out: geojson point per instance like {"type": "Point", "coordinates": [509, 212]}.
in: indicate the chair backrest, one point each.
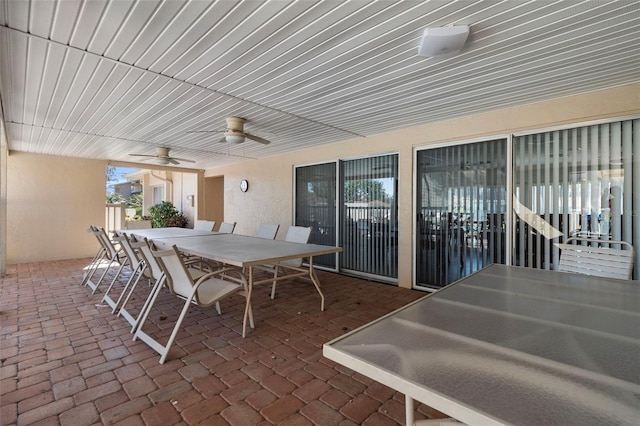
{"type": "Point", "coordinates": [144, 247]}
{"type": "Point", "coordinates": [134, 259]}
{"type": "Point", "coordinates": [268, 231]}
{"type": "Point", "coordinates": [298, 234]}
{"type": "Point", "coordinates": [105, 241]}
{"type": "Point", "coordinates": [204, 225]}
{"type": "Point", "coordinates": [179, 280]}
{"type": "Point", "coordinates": [227, 227]}
{"type": "Point", "coordinates": [585, 256]}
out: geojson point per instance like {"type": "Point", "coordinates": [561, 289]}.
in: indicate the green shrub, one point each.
{"type": "Point", "coordinates": [165, 214]}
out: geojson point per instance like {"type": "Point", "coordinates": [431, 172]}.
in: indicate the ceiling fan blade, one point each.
{"type": "Point", "coordinates": [223, 140]}
{"type": "Point", "coordinates": [172, 160]}
{"type": "Point", "coordinates": [142, 155]}
{"type": "Point", "coordinates": [186, 160]}
{"type": "Point", "coordinates": [257, 138]}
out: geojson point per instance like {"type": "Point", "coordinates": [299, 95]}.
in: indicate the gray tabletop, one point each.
{"type": "Point", "coordinates": [157, 233]}
{"type": "Point", "coordinates": [511, 345]}
{"type": "Point", "coordinates": [241, 250]}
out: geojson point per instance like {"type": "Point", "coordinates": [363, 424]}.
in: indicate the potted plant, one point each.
{"type": "Point", "coordinates": [165, 214]}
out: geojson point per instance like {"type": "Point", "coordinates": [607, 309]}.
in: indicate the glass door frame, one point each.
{"type": "Point", "coordinates": [340, 194]}
{"type": "Point", "coordinates": [508, 201]}
{"type": "Point", "coordinates": [509, 220]}
{"type": "Point", "coordinates": [339, 199]}
{"type": "Point", "coordinates": [336, 164]}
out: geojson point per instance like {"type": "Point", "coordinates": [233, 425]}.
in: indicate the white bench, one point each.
{"type": "Point", "coordinates": [585, 256]}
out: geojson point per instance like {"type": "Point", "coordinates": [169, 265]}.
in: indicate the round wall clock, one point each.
{"type": "Point", "coordinates": [244, 185]}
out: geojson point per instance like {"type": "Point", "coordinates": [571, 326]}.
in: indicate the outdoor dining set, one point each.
{"type": "Point", "coordinates": [199, 266]}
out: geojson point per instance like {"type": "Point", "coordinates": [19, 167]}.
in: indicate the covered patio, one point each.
{"type": "Point", "coordinates": [66, 359]}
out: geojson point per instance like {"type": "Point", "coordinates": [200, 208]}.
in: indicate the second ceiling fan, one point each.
{"type": "Point", "coordinates": [234, 132]}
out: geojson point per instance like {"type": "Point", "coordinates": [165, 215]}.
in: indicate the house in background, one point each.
{"type": "Point", "coordinates": [165, 185]}
{"type": "Point", "coordinates": [127, 189]}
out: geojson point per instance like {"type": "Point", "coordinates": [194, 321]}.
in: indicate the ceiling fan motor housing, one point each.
{"type": "Point", "coordinates": [235, 130]}
{"type": "Point", "coordinates": [235, 124]}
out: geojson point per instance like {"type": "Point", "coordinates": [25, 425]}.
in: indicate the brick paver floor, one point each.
{"type": "Point", "coordinates": [67, 360]}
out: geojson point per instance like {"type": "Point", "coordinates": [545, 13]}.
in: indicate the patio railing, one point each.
{"type": "Point", "coordinates": [114, 216]}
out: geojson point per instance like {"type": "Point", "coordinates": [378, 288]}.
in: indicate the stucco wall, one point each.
{"type": "Point", "coordinates": [270, 195]}
{"type": "Point", "coordinates": [184, 184]}
{"type": "Point", "coordinates": [213, 196]}
{"type": "Point", "coordinates": [51, 201]}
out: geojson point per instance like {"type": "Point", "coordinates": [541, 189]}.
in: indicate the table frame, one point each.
{"type": "Point", "coordinates": [246, 252]}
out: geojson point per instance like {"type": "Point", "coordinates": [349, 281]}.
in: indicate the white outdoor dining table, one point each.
{"type": "Point", "coordinates": [510, 345]}
{"type": "Point", "coordinates": [155, 233]}
{"type": "Point", "coordinates": [247, 252]}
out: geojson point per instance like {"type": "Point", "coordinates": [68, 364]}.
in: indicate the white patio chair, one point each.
{"type": "Point", "coordinates": [109, 252]}
{"type": "Point", "coordinates": [152, 268]}
{"type": "Point", "coordinates": [227, 227]}
{"type": "Point", "coordinates": [268, 231]}
{"type": "Point", "coordinates": [95, 262]}
{"type": "Point", "coordinates": [204, 225]}
{"type": "Point", "coordinates": [136, 265]}
{"type": "Point", "coordinates": [586, 256]}
{"type": "Point", "coordinates": [204, 292]}
{"type": "Point", "coordinates": [295, 234]}
{"type": "Point", "coordinates": [149, 268]}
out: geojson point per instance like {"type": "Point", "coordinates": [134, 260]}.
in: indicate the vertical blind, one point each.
{"type": "Point", "coordinates": [461, 208]}
{"type": "Point", "coordinates": [315, 206]}
{"type": "Point", "coordinates": [369, 216]}
{"type": "Point", "coordinates": [575, 182]}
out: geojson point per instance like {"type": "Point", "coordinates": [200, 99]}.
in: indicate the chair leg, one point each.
{"type": "Point", "coordinates": [135, 322]}
{"type": "Point", "coordinates": [93, 286]}
{"type": "Point", "coordinates": [174, 333]}
{"type": "Point", "coordinates": [123, 312]}
{"type": "Point", "coordinates": [106, 297]}
{"type": "Point", "coordinates": [137, 274]}
{"type": "Point", "coordinates": [149, 304]}
{"type": "Point", "coordinates": [93, 265]}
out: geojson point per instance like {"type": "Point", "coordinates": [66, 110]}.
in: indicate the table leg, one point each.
{"type": "Point", "coordinates": [316, 282]}
{"type": "Point", "coordinates": [248, 304]}
{"type": "Point", "coordinates": [408, 408]}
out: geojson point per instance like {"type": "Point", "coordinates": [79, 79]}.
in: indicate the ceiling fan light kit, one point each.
{"type": "Point", "coordinates": [234, 137]}
{"type": "Point", "coordinates": [162, 157]}
{"type": "Point", "coordinates": [440, 41]}
{"type": "Point", "coordinates": [234, 132]}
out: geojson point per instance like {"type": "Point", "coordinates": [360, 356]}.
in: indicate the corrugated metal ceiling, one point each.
{"type": "Point", "coordinates": [103, 79]}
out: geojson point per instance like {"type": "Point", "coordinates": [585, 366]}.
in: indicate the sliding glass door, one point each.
{"type": "Point", "coordinates": [461, 206]}
{"type": "Point", "coordinates": [581, 182]}
{"type": "Point", "coordinates": [369, 216]}
{"type": "Point", "coordinates": [315, 206]}
{"type": "Point", "coordinates": [365, 223]}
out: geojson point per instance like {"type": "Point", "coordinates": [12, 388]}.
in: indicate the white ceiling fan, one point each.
{"type": "Point", "coordinates": [162, 157]}
{"type": "Point", "coordinates": [234, 133]}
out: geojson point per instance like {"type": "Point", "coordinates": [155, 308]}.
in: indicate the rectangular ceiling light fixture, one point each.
{"type": "Point", "coordinates": [441, 41]}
